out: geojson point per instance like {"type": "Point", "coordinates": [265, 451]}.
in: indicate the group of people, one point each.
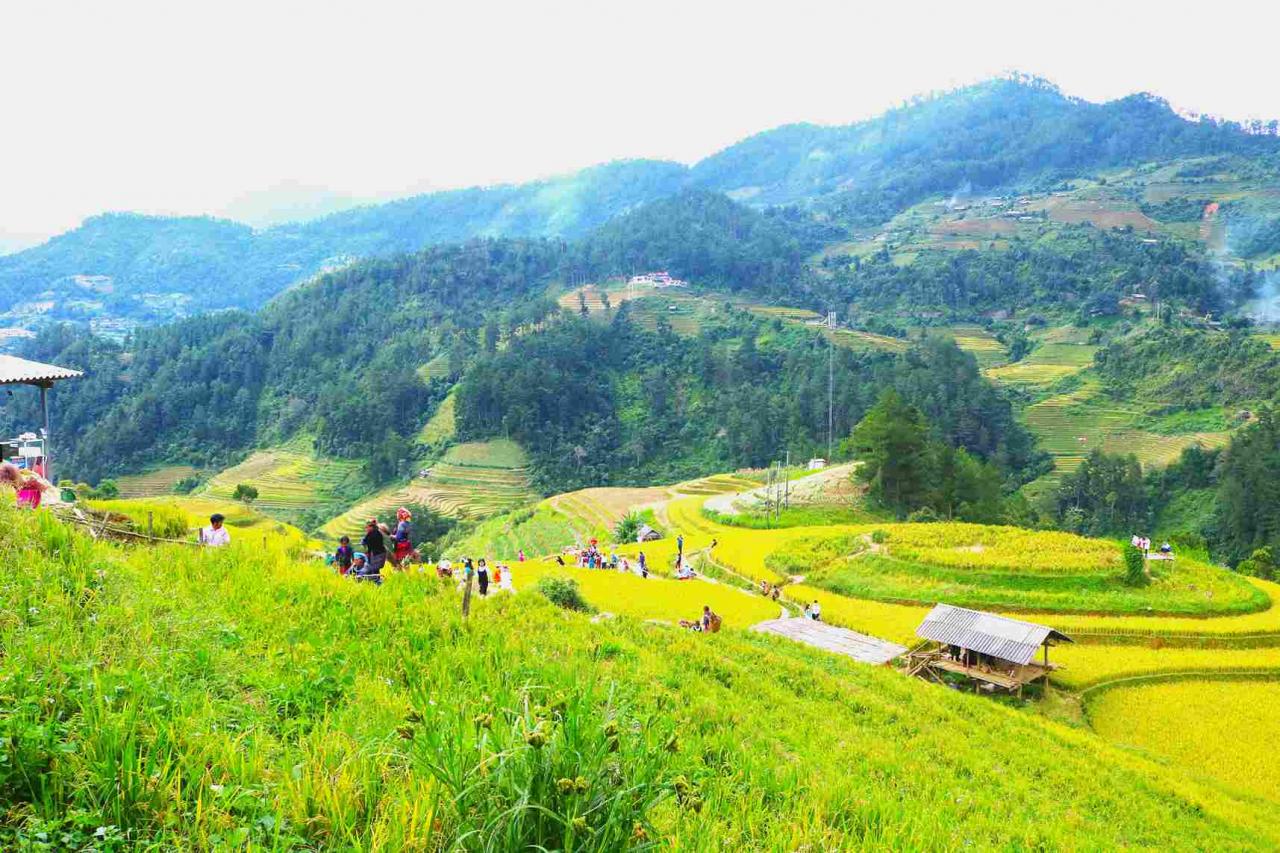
{"type": "Point", "coordinates": [709, 621]}
{"type": "Point", "coordinates": [593, 557]}
{"type": "Point", "coordinates": [368, 563]}
{"type": "Point", "coordinates": [501, 576]}
{"type": "Point", "coordinates": [1143, 544]}
{"type": "Point", "coordinates": [770, 591]}
{"type": "Point", "coordinates": [813, 611]}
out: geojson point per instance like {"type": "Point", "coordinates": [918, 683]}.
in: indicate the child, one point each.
{"type": "Point", "coordinates": [344, 556]}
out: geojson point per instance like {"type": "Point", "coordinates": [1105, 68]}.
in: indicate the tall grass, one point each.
{"type": "Point", "coordinates": [240, 698]}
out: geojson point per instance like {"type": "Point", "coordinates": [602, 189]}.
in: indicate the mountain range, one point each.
{"type": "Point", "coordinates": [1003, 133]}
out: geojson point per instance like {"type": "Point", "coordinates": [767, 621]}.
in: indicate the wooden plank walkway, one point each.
{"type": "Point", "coordinates": [830, 638]}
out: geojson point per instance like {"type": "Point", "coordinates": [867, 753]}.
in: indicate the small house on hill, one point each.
{"type": "Point", "coordinates": [647, 534]}
{"type": "Point", "coordinates": [985, 648]}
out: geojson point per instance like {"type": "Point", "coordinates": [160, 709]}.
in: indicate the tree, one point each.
{"type": "Point", "coordinates": [892, 442]}
{"type": "Point", "coordinates": [244, 492]}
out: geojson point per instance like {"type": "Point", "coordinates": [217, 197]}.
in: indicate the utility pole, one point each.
{"type": "Point", "coordinates": [786, 495]}
{"type": "Point", "coordinates": [831, 381]}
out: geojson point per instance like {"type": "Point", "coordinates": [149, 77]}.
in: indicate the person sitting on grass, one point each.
{"type": "Point", "coordinates": [363, 569]}
{"type": "Point", "coordinates": [215, 535]}
{"type": "Point", "coordinates": [344, 556]}
{"type": "Point", "coordinates": [359, 565]}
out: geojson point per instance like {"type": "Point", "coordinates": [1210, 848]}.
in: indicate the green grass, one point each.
{"type": "Point", "coordinates": [242, 698]}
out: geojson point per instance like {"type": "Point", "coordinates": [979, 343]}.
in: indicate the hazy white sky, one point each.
{"type": "Point", "coordinates": [181, 107]}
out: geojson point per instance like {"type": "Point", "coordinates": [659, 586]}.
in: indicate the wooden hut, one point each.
{"type": "Point", "coordinates": [985, 648]}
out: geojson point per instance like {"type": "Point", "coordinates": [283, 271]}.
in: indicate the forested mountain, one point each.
{"type": "Point", "coordinates": [1004, 133]}
{"type": "Point", "coordinates": [340, 358]}
{"type": "Point", "coordinates": [627, 406]}
{"type": "Point", "coordinates": [191, 264]}
{"type": "Point", "coordinates": [999, 133]}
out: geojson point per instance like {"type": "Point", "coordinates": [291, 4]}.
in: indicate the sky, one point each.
{"type": "Point", "coordinates": [241, 108]}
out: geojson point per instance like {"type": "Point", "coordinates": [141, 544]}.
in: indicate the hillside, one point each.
{"type": "Point", "coordinates": [563, 733]}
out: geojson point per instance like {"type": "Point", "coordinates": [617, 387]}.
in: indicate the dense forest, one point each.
{"type": "Point", "coordinates": [1078, 268]}
{"type": "Point", "coordinates": [622, 405]}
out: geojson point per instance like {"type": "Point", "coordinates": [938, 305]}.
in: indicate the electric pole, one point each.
{"type": "Point", "coordinates": [831, 381]}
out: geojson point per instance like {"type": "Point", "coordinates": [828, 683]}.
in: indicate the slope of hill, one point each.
{"type": "Point", "coordinates": [563, 734]}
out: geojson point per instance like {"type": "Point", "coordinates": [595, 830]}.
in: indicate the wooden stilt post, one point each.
{"type": "Point", "coordinates": [466, 595]}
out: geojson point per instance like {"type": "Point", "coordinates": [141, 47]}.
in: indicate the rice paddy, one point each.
{"type": "Point", "coordinates": [1219, 729]}
{"type": "Point", "coordinates": [1046, 364]}
{"type": "Point", "coordinates": [288, 479]}
{"type": "Point", "coordinates": [150, 484]}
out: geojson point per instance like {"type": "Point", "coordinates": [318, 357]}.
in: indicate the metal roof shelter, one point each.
{"type": "Point", "coordinates": [987, 633]}
{"type": "Point", "coordinates": [21, 371]}
{"type": "Point", "coordinates": [983, 647]}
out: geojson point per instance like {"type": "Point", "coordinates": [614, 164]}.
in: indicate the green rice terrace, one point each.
{"type": "Point", "coordinates": [154, 483]}
{"type": "Point", "coordinates": [471, 481]}
{"type": "Point", "coordinates": [288, 479]}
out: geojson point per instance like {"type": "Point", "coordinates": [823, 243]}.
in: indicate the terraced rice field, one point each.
{"type": "Point", "coordinates": [1046, 364]}
{"type": "Point", "coordinates": [976, 340]}
{"type": "Point", "coordinates": [858, 339]}
{"type": "Point", "coordinates": [594, 295]}
{"type": "Point", "coordinates": [287, 478]}
{"type": "Point", "coordinates": [1071, 425]}
{"type": "Point", "coordinates": [153, 483]}
{"type": "Point", "coordinates": [436, 368]}
{"type": "Point", "coordinates": [473, 481]}
{"type": "Point", "coordinates": [1223, 730]}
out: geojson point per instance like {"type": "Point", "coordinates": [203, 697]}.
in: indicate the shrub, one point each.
{"type": "Point", "coordinates": [1135, 569]}
{"type": "Point", "coordinates": [628, 527]}
{"type": "Point", "coordinates": [186, 485]}
{"type": "Point", "coordinates": [564, 592]}
{"type": "Point", "coordinates": [1259, 565]}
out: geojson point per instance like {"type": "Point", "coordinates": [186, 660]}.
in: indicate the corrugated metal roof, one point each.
{"type": "Point", "coordinates": [20, 371]}
{"type": "Point", "coordinates": [998, 636]}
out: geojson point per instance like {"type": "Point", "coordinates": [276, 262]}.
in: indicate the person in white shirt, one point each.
{"type": "Point", "coordinates": [215, 535]}
{"type": "Point", "coordinates": [815, 612]}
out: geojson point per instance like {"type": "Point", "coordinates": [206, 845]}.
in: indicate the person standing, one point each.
{"type": "Point", "coordinates": [375, 545]}
{"type": "Point", "coordinates": [482, 576]}
{"type": "Point", "coordinates": [644, 567]}
{"type": "Point", "coordinates": [520, 556]}
{"type": "Point", "coordinates": [402, 538]}
{"type": "Point", "coordinates": [680, 547]}
{"type": "Point", "coordinates": [215, 535]}
{"type": "Point", "coordinates": [344, 556]}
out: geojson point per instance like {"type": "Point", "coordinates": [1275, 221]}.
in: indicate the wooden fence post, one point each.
{"type": "Point", "coordinates": [151, 533]}
{"type": "Point", "coordinates": [466, 595]}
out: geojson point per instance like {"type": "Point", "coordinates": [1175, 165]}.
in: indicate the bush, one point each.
{"type": "Point", "coordinates": [628, 528]}
{"type": "Point", "coordinates": [186, 485]}
{"type": "Point", "coordinates": [879, 537]}
{"type": "Point", "coordinates": [1135, 569]}
{"type": "Point", "coordinates": [1259, 565]}
{"type": "Point", "coordinates": [564, 592]}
